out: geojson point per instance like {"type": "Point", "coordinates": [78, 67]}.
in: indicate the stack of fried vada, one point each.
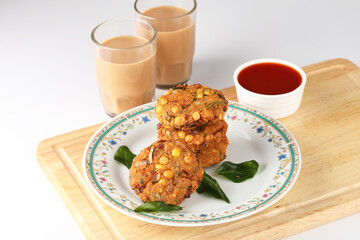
{"type": "Point", "coordinates": [195, 114]}
{"type": "Point", "coordinates": [192, 135]}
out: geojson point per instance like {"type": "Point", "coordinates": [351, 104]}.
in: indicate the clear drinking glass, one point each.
{"type": "Point", "coordinates": [125, 63]}
{"type": "Point", "coordinates": [174, 21]}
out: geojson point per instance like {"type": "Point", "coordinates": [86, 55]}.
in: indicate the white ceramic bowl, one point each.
{"type": "Point", "coordinates": [277, 106]}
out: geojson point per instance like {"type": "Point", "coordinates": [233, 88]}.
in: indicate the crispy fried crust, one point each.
{"type": "Point", "coordinates": [190, 106]}
{"type": "Point", "coordinates": [205, 136]}
{"type": "Point", "coordinates": [158, 174]}
{"type": "Point", "coordinates": [213, 153]}
{"type": "Point", "coordinates": [209, 142]}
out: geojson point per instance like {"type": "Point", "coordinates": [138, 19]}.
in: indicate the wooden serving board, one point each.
{"type": "Point", "coordinates": [327, 129]}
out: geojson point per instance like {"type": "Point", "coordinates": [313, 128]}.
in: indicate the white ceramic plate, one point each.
{"type": "Point", "coordinates": [252, 135]}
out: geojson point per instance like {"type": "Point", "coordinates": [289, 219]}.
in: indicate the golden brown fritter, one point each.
{"type": "Point", "coordinates": [190, 106]}
{"type": "Point", "coordinates": [209, 142]}
{"type": "Point", "coordinates": [214, 153]}
{"type": "Point", "coordinates": [167, 171]}
{"type": "Point", "coordinates": [194, 137]}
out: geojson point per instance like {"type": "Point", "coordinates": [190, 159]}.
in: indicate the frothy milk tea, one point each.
{"type": "Point", "coordinates": [175, 44]}
{"type": "Point", "coordinates": [126, 74]}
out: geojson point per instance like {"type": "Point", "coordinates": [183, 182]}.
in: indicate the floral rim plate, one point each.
{"type": "Point", "coordinates": [252, 135]}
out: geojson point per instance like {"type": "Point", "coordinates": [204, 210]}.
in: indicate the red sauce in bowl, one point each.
{"type": "Point", "coordinates": [269, 78]}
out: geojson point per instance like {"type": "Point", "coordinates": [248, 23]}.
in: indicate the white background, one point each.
{"type": "Point", "coordinates": [48, 84]}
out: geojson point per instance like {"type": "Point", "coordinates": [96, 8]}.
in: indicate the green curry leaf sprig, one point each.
{"type": "Point", "coordinates": [124, 156]}
{"type": "Point", "coordinates": [211, 186]}
{"type": "Point", "coordinates": [157, 206]}
{"type": "Point", "coordinates": [238, 172]}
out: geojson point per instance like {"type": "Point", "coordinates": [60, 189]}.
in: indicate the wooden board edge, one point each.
{"type": "Point", "coordinates": [47, 143]}
{"type": "Point", "coordinates": [291, 222]}
{"type": "Point", "coordinates": [76, 213]}
{"type": "Point", "coordinates": [312, 220]}
{"type": "Point", "coordinates": [324, 65]}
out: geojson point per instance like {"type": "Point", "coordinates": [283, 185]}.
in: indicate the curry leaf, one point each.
{"type": "Point", "coordinates": [211, 186]}
{"type": "Point", "coordinates": [157, 206]}
{"type": "Point", "coordinates": [238, 172]}
{"type": "Point", "coordinates": [124, 156]}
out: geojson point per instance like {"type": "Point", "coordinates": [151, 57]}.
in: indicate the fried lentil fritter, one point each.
{"type": "Point", "coordinates": [205, 136]}
{"type": "Point", "coordinates": [214, 153]}
{"type": "Point", "coordinates": [190, 106]}
{"type": "Point", "coordinates": [167, 171]}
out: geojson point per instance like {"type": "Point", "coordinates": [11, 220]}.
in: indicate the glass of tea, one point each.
{"type": "Point", "coordinates": [125, 63]}
{"type": "Point", "coordinates": [174, 21]}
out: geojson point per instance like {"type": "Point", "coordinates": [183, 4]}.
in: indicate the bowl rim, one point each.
{"type": "Point", "coordinates": [270, 60]}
